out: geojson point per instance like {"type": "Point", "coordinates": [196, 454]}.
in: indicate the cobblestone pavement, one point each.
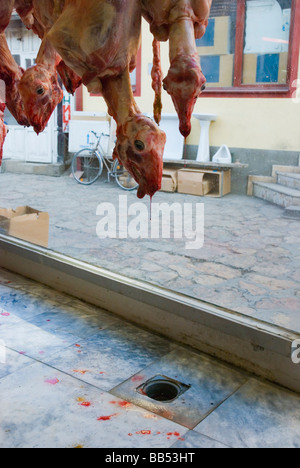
{"type": "Point", "coordinates": [249, 262]}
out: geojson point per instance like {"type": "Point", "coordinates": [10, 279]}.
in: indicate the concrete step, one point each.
{"type": "Point", "coordinates": [290, 169]}
{"type": "Point", "coordinates": [291, 180]}
{"type": "Point", "coordinates": [21, 167]}
{"type": "Point", "coordinates": [292, 212]}
{"type": "Point", "coordinates": [277, 194]}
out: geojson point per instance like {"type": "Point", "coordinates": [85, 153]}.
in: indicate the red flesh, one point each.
{"type": "Point", "coordinates": [3, 130]}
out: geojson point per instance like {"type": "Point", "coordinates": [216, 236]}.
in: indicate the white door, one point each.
{"type": "Point", "coordinates": [23, 144]}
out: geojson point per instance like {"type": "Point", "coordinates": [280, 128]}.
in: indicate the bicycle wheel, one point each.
{"type": "Point", "coordinates": [123, 178]}
{"type": "Point", "coordinates": [87, 166]}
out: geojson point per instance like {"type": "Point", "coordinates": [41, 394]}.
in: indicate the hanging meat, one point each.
{"type": "Point", "coordinates": [3, 129]}
{"type": "Point", "coordinates": [10, 72]}
{"type": "Point", "coordinates": [40, 89]}
{"type": "Point", "coordinates": [6, 8]}
{"type": "Point", "coordinates": [99, 41]}
{"type": "Point", "coordinates": [5, 14]}
{"type": "Point", "coordinates": [39, 86]}
{"type": "Point", "coordinates": [180, 22]}
{"type": "Point", "coordinates": [157, 76]}
{"type": "Point", "coordinates": [24, 10]}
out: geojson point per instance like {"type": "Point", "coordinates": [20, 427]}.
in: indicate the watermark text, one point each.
{"type": "Point", "coordinates": [139, 220]}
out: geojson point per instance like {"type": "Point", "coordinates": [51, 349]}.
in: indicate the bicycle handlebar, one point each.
{"type": "Point", "coordinates": [99, 136]}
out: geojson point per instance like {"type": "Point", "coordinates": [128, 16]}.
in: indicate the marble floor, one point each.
{"type": "Point", "coordinates": [69, 374]}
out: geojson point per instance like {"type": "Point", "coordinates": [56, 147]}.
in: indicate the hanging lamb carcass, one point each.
{"type": "Point", "coordinates": [39, 86]}
{"type": "Point", "coordinates": [10, 72]}
{"type": "Point", "coordinates": [99, 41]}
{"type": "Point", "coordinates": [3, 129]}
{"type": "Point", "coordinates": [181, 22]}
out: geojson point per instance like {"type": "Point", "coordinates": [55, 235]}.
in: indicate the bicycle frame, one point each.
{"type": "Point", "coordinates": [98, 143]}
{"type": "Point", "coordinates": [103, 155]}
{"type": "Point", "coordinates": [114, 167]}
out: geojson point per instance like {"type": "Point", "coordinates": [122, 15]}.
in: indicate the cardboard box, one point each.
{"type": "Point", "coordinates": [194, 182]}
{"type": "Point", "coordinates": [204, 182]}
{"type": "Point", "coordinates": [25, 223]}
{"type": "Point", "coordinates": [169, 180]}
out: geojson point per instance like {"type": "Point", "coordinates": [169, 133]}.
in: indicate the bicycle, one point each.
{"type": "Point", "coordinates": [88, 163]}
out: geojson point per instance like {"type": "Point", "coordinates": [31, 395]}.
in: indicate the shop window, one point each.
{"type": "Point", "coordinates": [251, 46]}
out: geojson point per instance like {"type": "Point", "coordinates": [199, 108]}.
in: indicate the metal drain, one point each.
{"type": "Point", "coordinates": [163, 389]}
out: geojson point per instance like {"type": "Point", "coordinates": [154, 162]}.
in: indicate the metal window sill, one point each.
{"type": "Point", "coordinates": [252, 345]}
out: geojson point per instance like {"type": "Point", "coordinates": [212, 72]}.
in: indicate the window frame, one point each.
{"type": "Point", "coordinates": [261, 90]}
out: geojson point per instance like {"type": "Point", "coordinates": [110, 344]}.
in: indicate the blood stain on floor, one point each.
{"type": "Point", "coordinates": [106, 418]}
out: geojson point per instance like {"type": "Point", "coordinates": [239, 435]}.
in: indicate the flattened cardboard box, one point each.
{"type": "Point", "coordinates": [25, 223]}
{"type": "Point", "coordinates": [169, 180]}
{"type": "Point", "coordinates": [204, 182]}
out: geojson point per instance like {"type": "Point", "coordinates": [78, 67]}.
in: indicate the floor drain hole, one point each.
{"type": "Point", "coordinates": [162, 389]}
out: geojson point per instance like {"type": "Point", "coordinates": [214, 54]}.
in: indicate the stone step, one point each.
{"type": "Point", "coordinates": [290, 169]}
{"type": "Point", "coordinates": [277, 194]}
{"type": "Point", "coordinates": [21, 167]}
{"type": "Point", "coordinates": [291, 180]}
{"type": "Point", "coordinates": [292, 212]}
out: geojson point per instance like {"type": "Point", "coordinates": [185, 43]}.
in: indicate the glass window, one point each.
{"type": "Point", "coordinates": [267, 31]}
{"type": "Point", "coordinates": [224, 230]}
{"type": "Point", "coordinates": [248, 46]}
{"type": "Point", "coordinates": [217, 47]}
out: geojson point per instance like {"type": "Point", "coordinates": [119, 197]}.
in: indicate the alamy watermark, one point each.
{"type": "Point", "coordinates": [121, 220]}
{"type": "Point", "coordinates": [296, 352]}
{"type": "Point", "coordinates": [2, 352]}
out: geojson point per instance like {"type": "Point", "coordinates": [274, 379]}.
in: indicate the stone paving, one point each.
{"type": "Point", "coordinates": [249, 261]}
